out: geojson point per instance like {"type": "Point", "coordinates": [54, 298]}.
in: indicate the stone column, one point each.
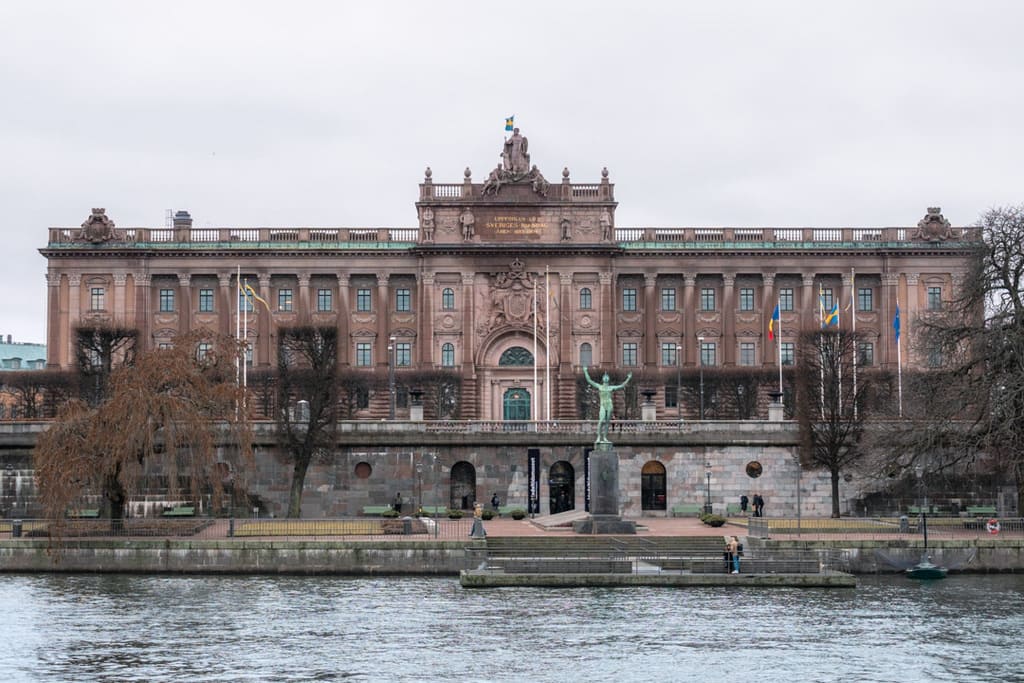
{"type": "Point", "coordinates": [688, 336]}
{"type": "Point", "coordinates": [650, 322]}
{"type": "Point", "coordinates": [120, 310]}
{"type": "Point", "coordinates": [264, 324]}
{"type": "Point", "coordinates": [909, 314]}
{"type": "Point", "coordinates": [887, 341]}
{"type": "Point", "coordinates": [426, 322]}
{"type": "Point", "coordinates": [769, 298]}
{"type": "Point", "coordinates": [609, 320]}
{"type": "Point", "coordinates": [808, 304]}
{"type": "Point", "coordinates": [74, 311]}
{"type": "Point", "coordinates": [728, 319]}
{"type": "Point", "coordinates": [344, 319]}
{"type": "Point", "coordinates": [383, 319]}
{"type": "Point", "coordinates": [850, 290]}
{"type": "Point", "coordinates": [228, 307]}
{"type": "Point", "coordinates": [142, 282]}
{"type": "Point", "coordinates": [184, 303]}
{"type": "Point", "coordinates": [565, 407]}
{"type": "Point", "coordinates": [470, 409]}
{"type": "Point", "coordinates": [57, 328]}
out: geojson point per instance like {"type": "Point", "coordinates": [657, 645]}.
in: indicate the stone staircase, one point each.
{"type": "Point", "coordinates": [590, 554]}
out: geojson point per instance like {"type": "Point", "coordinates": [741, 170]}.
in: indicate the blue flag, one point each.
{"type": "Point", "coordinates": [896, 323]}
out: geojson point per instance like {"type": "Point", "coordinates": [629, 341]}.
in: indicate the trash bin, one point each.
{"type": "Point", "coordinates": [904, 524]}
{"type": "Point", "coordinates": [16, 528]}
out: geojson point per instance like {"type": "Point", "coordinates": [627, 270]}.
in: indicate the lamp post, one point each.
{"type": "Point", "coordinates": [700, 362]}
{"type": "Point", "coordinates": [679, 386]}
{"type": "Point", "coordinates": [391, 378]}
{"type": "Point", "coordinates": [707, 490]}
{"type": "Point", "coordinates": [799, 472]}
{"type": "Point", "coordinates": [919, 471]}
{"type": "Point", "coordinates": [419, 484]}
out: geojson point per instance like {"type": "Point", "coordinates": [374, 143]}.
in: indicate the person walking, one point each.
{"type": "Point", "coordinates": [743, 503]}
{"type": "Point", "coordinates": [758, 505]}
{"type": "Point", "coordinates": [398, 502]}
{"type": "Point", "coordinates": [495, 503]}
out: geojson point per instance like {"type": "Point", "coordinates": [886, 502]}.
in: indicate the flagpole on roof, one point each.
{"type": "Point", "coordinates": [535, 401]}
{"type": "Point", "coordinates": [899, 358]}
{"type": "Point", "coordinates": [547, 344]}
{"type": "Point", "coordinates": [778, 307]}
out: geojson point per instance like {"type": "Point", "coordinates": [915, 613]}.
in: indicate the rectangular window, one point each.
{"type": "Point", "coordinates": [96, 298]}
{"type": "Point", "coordinates": [747, 353]}
{"type": "Point", "coordinates": [827, 299]}
{"type": "Point", "coordinates": [586, 300]}
{"type": "Point", "coordinates": [629, 299]}
{"type": "Point", "coordinates": [403, 354]}
{"type": "Point", "coordinates": [248, 355]}
{"type": "Point", "coordinates": [165, 346]}
{"type": "Point", "coordinates": [671, 396]}
{"type": "Point", "coordinates": [166, 300]}
{"type": "Point", "coordinates": [864, 299]}
{"type": "Point", "coordinates": [206, 301]}
{"type": "Point", "coordinates": [364, 354]}
{"type": "Point", "coordinates": [935, 298]}
{"type": "Point", "coordinates": [865, 353]}
{"type": "Point", "coordinates": [669, 354]}
{"type": "Point", "coordinates": [708, 353]}
{"type": "Point", "coordinates": [403, 300]}
{"type": "Point", "coordinates": [746, 298]}
{"type": "Point", "coordinates": [323, 300]}
{"type": "Point", "coordinates": [786, 299]}
{"type": "Point", "coordinates": [448, 299]}
{"type": "Point", "coordinates": [244, 303]}
{"type": "Point", "coordinates": [203, 349]}
{"type": "Point", "coordinates": [787, 352]}
{"type": "Point", "coordinates": [668, 299]}
{"type": "Point", "coordinates": [284, 300]}
{"type": "Point", "coordinates": [707, 299]}
{"type": "Point", "coordinates": [363, 300]}
{"type": "Point", "coordinates": [629, 354]}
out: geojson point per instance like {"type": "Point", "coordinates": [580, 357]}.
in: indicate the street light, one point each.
{"type": "Point", "coordinates": [419, 486]}
{"type": "Point", "coordinates": [796, 459]}
{"type": "Point", "coordinates": [700, 362]}
{"type": "Point", "coordinates": [919, 471]}
{"type": "Point", "coordinates": [391, 378]}
{"type": "Point", "coordinates": [707, 491]}
{"type": "Point", "coordinates": [679, 386]}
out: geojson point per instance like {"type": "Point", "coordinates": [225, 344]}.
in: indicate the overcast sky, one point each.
{"type": "Point", "coordinates": [326, 113]}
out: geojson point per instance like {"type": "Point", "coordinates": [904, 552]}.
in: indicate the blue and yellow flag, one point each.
{"type": "Point", "coordinates": [510, 123]}
{"type": "Point", "coordinates": [830, 318]}
{"type": "Point", "coordinates": [249, 293]}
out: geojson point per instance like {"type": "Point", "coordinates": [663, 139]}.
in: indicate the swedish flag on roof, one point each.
{"type": "Point", "coordinates": [510, 123]}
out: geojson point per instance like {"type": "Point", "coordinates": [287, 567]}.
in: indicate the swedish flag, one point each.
{"type": "Point", "coordinates": [832, 317]}
{"type": "Point", "coordinates": [510, 123]}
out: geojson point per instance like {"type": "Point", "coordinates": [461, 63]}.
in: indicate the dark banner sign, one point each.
{"type": "Point", "coordinates": [586, 478]}
{"type": "Point", "coordinates": [533, 472]}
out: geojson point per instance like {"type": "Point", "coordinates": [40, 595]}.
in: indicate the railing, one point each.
{"type": "Point", "coordinates": [906, 527]}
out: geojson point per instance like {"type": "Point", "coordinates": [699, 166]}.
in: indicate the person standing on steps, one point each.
{"type": "Point", "coordinates": [733, 548]}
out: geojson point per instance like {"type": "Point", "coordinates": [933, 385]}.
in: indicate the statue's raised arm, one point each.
{"type": "Point", "coordinates": [590, 381]}
{"type": "Point", "coordinates": [604, 392]}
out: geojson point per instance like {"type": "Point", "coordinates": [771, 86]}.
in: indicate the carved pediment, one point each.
{"type": "Point", "coordinates": [97, 228]}
{"type": "Point", "coordinates": [933, 227]}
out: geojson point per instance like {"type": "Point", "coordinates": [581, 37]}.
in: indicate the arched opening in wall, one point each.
{"type": "Point", "coordinates": [516, 404]}
{"type": "Point", "coordinates": [463, 486]}
{"type": "Point", "coordinates": [652, 486]}
{"type": "Point", "coordinates": [561, 487]}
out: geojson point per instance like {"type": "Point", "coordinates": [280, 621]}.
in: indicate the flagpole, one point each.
{"type": "Point", "coordinates": [547, 344]}
{"type": "Point", "coordinates": [536, 397]}
{"type": "Point", "coordinates": [853, 317]}
{"type": "Point", "coordinates": [245, 345]}
{"type": "Point", "coordinates": [778, 305]}
{"type": "Point", "coordinates": [238, 330]}
{"type": "Point", "coordinates": [821, 354]}
{"type": "Point", "coordinates": [899, 358]}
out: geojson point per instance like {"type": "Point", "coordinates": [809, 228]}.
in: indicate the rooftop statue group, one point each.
{"type": "Point", "coordinates": [515, 167]}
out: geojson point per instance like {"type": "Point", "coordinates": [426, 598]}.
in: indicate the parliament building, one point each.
{"type": "Point", "coordinates": [516, 283]}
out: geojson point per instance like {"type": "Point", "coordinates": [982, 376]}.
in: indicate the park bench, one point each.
{"type": "Point", "coordinates": [180, 511]}
{"type": "Point", "coordinates": [376, 510]}
{"type": "Point", "coordinates": [733, 510]}
{"type": "Point", "coordinates": [87, 513]}
{"type": "Point", "coordinates": [686, 510]}
{"type": "Point", "coordinates": [505, 510]}
{"type": "Point", "coordinates": [981, 510]}
{"type": "Point", "coordinates": [434, 509]}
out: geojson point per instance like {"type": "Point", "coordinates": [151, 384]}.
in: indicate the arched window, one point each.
{"type": "Point", "coordinates": [448, 355]}
{"type": "Point", "coordinates": [448, 299]}
{"type": "Point", "coordinates": [586, 355]}
{"type": "Point", "coordinates": [585, 301]}
{"type": "Point", "coordinates": [516, 355]}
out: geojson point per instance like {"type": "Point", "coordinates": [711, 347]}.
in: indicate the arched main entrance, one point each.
{"type": "Point", "coordinates": [561, 480]}
{"type": "Point", "coordinates": [516, 404]}
{"type": "Point", "coordinates": [463, 486]}
{"type": "Point", "coordinates": [652, 486]}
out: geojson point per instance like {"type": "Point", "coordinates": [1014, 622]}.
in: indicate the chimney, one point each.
{"type": "Point", "coordinates": [182, 226]}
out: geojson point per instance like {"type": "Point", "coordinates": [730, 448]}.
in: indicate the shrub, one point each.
{"type": "Point", "coordinates": [713, 520]}
{"type": "Point", "coordinates": [389, 513]}
{"type": "Point", "coordinates": [517, 513]}
{"type": "Point", "coordinates": [454, 514]}
{"type": "Point", "coordinates": [487, 514]}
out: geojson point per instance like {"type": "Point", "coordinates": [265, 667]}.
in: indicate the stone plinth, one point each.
{"type": "Point", "coordinates": [604, 495]}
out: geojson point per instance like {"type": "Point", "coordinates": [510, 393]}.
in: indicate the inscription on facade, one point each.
{"type": "Point", "coordinates": [512, 226]}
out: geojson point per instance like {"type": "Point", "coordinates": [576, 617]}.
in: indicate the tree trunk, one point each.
{"type": "Point", "coordinates": [298, 482]}
{"type": "Point", "coordinates": [835, 493]}
{"type": "Point", "coordinates": [114, 500]}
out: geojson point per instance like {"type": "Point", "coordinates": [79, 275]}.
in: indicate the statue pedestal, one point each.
{"type": "Point", "coordinates": [604, 495]}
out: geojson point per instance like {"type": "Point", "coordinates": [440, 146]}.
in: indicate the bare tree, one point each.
{"type": "Point", "coordinates": [98, 350]}
{"type": "Point", "coordinates": [830, 404]}
{"type": "Point", "coordinates": [164, 417]}
{"type": "Point", "coordinates": [307, 404]}
{"type": "Point", "coordinates": [973, 393]}
{"type": "Point", "coordinates": [442, 391]}
{"type": "Point", "coordinates": [35, 393]}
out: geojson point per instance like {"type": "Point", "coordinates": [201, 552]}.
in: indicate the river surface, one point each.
{"type": "Point", "coordinates": [257, 628]}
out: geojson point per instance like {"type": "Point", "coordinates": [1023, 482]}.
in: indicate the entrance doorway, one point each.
{"type": "Point", "coordinates": [652, 486]}
{"type": "Point", "coordinates": [463, 486]}
{"type": "Point", "coordinates": [516, 404]}
{"type": "Point", "coordinates": [561, 480]}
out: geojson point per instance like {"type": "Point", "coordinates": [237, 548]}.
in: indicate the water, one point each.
{"type": "Point", "coordinates": [259, 628]}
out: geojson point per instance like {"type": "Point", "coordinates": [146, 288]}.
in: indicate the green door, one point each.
{"type": "Point", "coordinates": [517, 404]}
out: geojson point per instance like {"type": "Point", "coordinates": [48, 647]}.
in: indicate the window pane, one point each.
{"type": "Point", "coordinates": [403, 300]}
{"type": "Point", "coordinates": [865, 353]}
{"type": "Point", "coordinates": [244, 302]}
{"type": "Point", "coordinates": [668, 299]}
{"type": "Point", "coordinates": [786, 299]}
{"type": "Point", "coordinates": [284, 300]}
{"type": "Point", "coordinates": [323, 300]}
{"type": "Point", "coordinates": [747, 356]}
{"type": "Point", "coordinates": [96, 298]}
{"type": "Point", "coordinates": [669, 355]}
{"type": "Point", "coordinates": [747, 299]}
{"type": "Point", "coordinates": [708, 353]}
{"type": "Point", "coordinates": [629, 299]}
{"type": "Point", "coordinates": [827, 300]}
{"type": "Point", "coordinates": [205, 300]}
{"type": "Point", "coordinates": [166, 300]}
{"type": "Point", "coordinates": [934, 298]}
{"type": "Point", "coordinates": [787, 353]}
{"type": "Point", "coordinates": [585, 302]}
{"type": "Point", "coordinates": [629, 354]}
{"type": "Point", "coordinates": [448, 355]}
{"type": "Point", "coordinates": [448, 299]}
{"type": "Point", "coordinates": [364, 357]}
{"type": "Point", "coordinates": [864, 302]}
{"type": "Point", "coordinates": [403, 354]}
{"type": "Point", "coordinates": [707, 299]}
{"type": "Point", "coordinates": [586, 355]}
{"type": "Point", "coordinates": [363, 300]}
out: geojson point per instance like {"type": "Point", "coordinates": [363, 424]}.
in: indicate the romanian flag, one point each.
{"type": "Point", "coordinates": [772, 322]}
{"type": "Point", "coordinates": [510, 123]}
{"type": "Point", "coordinates": [896, 323]}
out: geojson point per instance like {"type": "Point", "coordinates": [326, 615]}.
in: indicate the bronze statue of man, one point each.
{"type": "Point", "coordinates": [604, 390]}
